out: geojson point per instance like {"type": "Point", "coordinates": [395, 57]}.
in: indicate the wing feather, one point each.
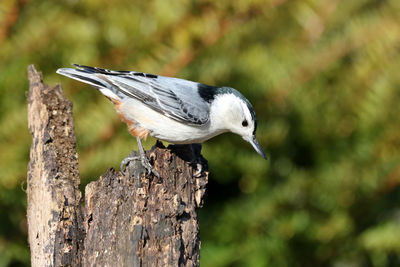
{"type": "Point", "coordinates": [176, 98]}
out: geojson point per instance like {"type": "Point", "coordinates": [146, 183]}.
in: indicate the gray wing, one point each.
{"type": "Point", "coordinates": [176, 98]}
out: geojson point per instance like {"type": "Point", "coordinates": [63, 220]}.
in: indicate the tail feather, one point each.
{"type": "Point", "coordinates": [90, 77]}
{"type": "Point", "coordinates": [89, 69]}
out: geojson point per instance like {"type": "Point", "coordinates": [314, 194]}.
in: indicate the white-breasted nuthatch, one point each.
{"type": "Point", "coordinates": [171, 109]}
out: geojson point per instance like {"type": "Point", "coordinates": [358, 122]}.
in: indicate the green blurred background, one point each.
{"type": "Point", "coordinates": [323, 76]}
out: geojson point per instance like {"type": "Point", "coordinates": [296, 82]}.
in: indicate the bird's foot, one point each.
{"type": "Point", "coordinates": [145, 163]}
{"type": "Point", "coordinates": [125, 162]}
{"type": "Point", "coordinates": [198, 171]}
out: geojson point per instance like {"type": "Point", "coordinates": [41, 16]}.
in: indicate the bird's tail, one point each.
{"type": "Point", "coordinates": [90, 76]}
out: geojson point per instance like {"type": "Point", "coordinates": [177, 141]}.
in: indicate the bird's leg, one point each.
{"type": "Point", "coordinates": [141, 149]}
{"type": "Point", "coordinates": [145, 160]}
{"type": "Point", "coordinates": [142, 156]}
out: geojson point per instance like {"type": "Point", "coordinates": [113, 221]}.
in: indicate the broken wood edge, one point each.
{"type": "Point", "coordinates": [158, 215]}
{"type": "Point", "coordinates": [54, 213]}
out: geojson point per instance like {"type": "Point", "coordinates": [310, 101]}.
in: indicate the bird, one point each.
{"type": "Point", "coordinates": [170, 109]}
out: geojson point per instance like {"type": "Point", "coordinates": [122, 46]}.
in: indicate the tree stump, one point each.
{"type": "Point", "coordinates": [134, 219]}
{"type": "Point", "coordinates": [54, 211]}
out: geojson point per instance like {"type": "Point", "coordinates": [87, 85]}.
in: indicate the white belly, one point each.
{"type": "Point", "coordinates": [164, 128]}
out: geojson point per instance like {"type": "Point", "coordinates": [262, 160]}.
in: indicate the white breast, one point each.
{"type": "Point", "coordinates": [164, 128]}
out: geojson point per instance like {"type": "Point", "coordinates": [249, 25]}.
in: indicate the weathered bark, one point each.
{"type": "Point", "coordinates": [140, 220]}
{"type": "Point", "coordinates": [54, 211]}
{"type": "Point", "coordinates": [134, 219]}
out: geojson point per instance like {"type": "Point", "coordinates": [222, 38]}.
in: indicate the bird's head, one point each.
{"type": "Point", "coordinates": [233, 112]}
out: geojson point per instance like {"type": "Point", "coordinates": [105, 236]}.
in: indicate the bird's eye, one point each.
{"type": "Point", "coordinates": [245, 123]}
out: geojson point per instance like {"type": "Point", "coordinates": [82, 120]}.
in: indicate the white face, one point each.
{"type": "Point", "coordinates": [242, 123]}
{"type": "Point", "coordinates": [231, 113]}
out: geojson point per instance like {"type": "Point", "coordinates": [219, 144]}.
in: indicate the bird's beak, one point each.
{"type": "Point", "coordinates": [253, 141]}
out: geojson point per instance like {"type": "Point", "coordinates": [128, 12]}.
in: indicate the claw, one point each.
{"type": "Point", "coordinates": [199, 169]}
{"type": "Point", "coordinates": [144, 160]}
{"type": "Point", "coordinates": [125, 162]}
{"type": "Point", "coordinates": [145, 163]}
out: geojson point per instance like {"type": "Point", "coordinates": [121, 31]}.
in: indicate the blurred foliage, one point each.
{"type": "Point", "coordinates": [323, 77]}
